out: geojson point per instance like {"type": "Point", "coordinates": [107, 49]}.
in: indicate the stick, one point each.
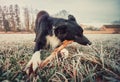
{"type": "Point", "coordinates": [54, 53]}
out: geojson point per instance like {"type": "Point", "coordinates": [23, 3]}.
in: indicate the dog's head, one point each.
{"type": "Point", "coordinates": [70, 30]}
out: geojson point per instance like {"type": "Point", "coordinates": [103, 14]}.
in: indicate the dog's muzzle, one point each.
{"type": "Point", "coordinates": [82, 40]}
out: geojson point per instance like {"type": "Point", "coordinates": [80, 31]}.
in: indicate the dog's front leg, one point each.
{"type": "Point", "coordinates": [33, 64]}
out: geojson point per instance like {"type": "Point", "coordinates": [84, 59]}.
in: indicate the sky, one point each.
{"type": "Point", "coordinates": [85, 11]}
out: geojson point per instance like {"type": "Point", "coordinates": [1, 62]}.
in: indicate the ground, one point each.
{"type": "Point", "coordinates": [99, 62]}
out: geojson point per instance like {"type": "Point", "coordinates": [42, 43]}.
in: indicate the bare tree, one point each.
{"type": "Point", "coordinates": [17, 17]}
{"type": "Point", "coordinates": [0, 18]}
{"type": "Point", "coordinates": [11, 13]}
{"type": "Point", "coordinates": [62, 13]}
{"type": "Point", "coordinates": [32, 24]}
{"type": "Point", "coordinates": [32, 20]}
{"type": "Point", "coordinates": [5, 19]}
{"type": "Point", "coordinates": [27, 19]}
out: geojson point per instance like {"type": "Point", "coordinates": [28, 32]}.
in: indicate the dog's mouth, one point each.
{"type": "Point", "coordinates": [82, 40]}
{"type": "Point", "coordinates": [89, 43]}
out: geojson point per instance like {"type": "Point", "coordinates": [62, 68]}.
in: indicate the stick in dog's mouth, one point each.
{"type": "Point", "coordinates": [54, 53]}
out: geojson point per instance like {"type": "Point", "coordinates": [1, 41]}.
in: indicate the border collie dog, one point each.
{"type": "Point", "coordinates": [51, 32]}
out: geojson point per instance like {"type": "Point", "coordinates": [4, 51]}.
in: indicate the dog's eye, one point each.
{"type": "Point", "coordinates": [81, 30]}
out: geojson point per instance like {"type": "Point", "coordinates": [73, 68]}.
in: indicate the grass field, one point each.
{"type": "Point", "coordinates": [99, 62]}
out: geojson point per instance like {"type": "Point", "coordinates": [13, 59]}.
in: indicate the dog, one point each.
{"type": "Point", "coordinates": [51, 32]}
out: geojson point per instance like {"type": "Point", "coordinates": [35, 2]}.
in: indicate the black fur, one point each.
{"type": "Point", "coordinates": [63, 29]}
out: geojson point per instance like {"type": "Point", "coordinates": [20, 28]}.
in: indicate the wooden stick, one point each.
{"type": "Point", "coordinates": [54, 53]}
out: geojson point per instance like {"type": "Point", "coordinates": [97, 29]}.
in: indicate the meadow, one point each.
{"type": "Point", "coordinates": [99, 62]}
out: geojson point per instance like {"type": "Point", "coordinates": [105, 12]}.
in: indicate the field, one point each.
{"type": "Point", "coordinates": [99, 62]}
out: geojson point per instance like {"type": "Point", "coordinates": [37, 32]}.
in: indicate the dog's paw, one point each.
{"type": "Point", "coordinates": [33, 64]}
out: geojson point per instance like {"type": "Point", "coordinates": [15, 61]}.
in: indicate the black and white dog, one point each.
{"type": "Point", "coordinates": [50, 32]}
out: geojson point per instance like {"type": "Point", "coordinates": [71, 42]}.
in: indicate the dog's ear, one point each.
{"type": "Point", "coordinates": [71, 18]}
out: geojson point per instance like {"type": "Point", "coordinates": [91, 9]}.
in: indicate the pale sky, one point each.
{"type": "Point", "coordinates": [86, 11]}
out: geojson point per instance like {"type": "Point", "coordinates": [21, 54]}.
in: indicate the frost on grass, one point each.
{"type": "Point", "coordinates": [99, 62]}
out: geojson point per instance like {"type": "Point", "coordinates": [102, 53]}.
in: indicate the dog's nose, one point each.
{"type": "Point", "coordinates": [89, 43]}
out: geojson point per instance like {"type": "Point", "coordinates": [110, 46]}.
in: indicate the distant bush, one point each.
{"type": "Point", "coordinates": [92, 28]}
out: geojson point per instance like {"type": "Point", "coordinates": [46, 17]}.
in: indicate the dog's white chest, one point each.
{"type": "Point", "coordinates": [53, 41]}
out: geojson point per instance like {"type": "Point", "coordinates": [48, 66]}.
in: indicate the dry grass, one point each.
{"type": "Point", "coordinates": [97, 63]}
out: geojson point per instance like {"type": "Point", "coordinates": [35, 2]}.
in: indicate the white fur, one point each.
{"type": "Point", "coordinates": [35, 61]}
{"type": "Point", "coordinates": [53, 41]}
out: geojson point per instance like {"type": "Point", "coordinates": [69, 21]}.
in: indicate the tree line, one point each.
{"type": "Point", "coordinates": [14, 18]}
{"type": "Point", "coordinates": [11, 20]}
